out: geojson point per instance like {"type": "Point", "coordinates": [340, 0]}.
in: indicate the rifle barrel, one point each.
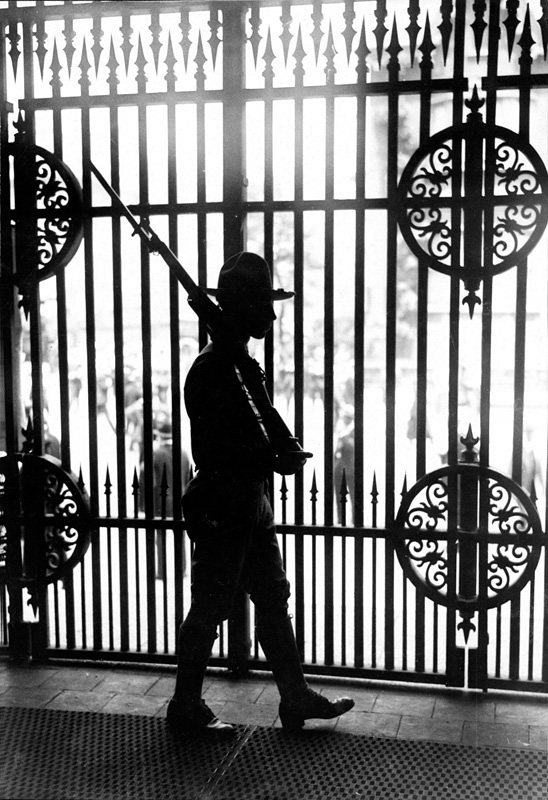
{"type": "Point", "coordinates": [120, 203]}
{"type": "Point", "coordinates": [281, 436]}
{"type": "Point", "coordinates": [153, 242]}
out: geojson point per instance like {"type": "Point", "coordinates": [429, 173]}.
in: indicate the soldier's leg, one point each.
{"type": "Point", "coordinates": [216, 569]}
{"type": "Point", "coordinates": [266, 582]}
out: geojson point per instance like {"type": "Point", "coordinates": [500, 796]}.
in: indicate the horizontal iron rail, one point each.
{"type": "Point", "coordinates": [383, 88]}
{"type": "Point", "coordinates": [276, 206]}
{"type": "Point", "coordinates": [133, 657]}
{"type": "Point", "coordinates": [328, 531]}
{"type": "Point", "coordinates": [380, 533]}
{"type": "Point", "coordinates": [534, 81]}
{"type": "Point", "coordinates": [117, 8]}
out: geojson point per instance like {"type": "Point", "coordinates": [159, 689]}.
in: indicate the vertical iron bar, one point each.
{"type": "Point", "coordinates": [374, 604]}
{"type": "Point", "coordinates": [480, 666]}
{"type": "Point", "coordinates": [456, 222]}
{"type": "Point", "coordinates": [314, 610]}
{"type": "Point", "coordinates": [390, 356]}
{"type": "Point", "coordinates": [268, 217]}
{"type": "Point", "coordinates": [374, 500]}
{"type": "Point", "coordinates": [454, 656]}
{"type": "Point", "coordinates": [89, 292]}
{"type": "Point", "coordinates": [358, 601]}
{"type": "Point", "coordinates": [478, 659]}
{"type": "Point", "coordinates": [329, 352]}
{"type": "Point", "coordinates": [64, 389]}
{"type": "Point", "coordinates": [83, 596]}
{"type": "Point", "coordinates": [359, 369]}
{"type": "Point", "coordinates": [54, 590]}
{"type": "Point", "coordinates": [436, 631]}
{"type": "Point", "coordinates": [62, 350]}
{"type": "Point", "coordinates": [498, 644]}
{"type": "Point", "coordinates": [268, 234]}
{"type": "Point", "coordinates": [110, 571]}
{"type": "Point", "coordinates": [137, 564]}
{"type": "Point", "coordinates": [313, 498]}
{"type": "Point", "coordinates": [234, 41]}
{"type": "Point", "coordinates": [404, 627]}
{"type": "Point", "coordinates": [64, 393]}
{"type": "Point", "coordinates": [201, 193]}
{"type": "Point", "coordinates": [63, 378]}
{"type": "Point", "coordinates": [146, 333]}
{"type": "Point", "coordinates": [119, 370]}
{"type": "Point", "coordinates": [178, 479]}
{"type": "Point", "coordinates": [298, 350]}
{"type": "Point", "coordinates": [161, 542]}
{"type": "Point", "coordinates": [329, 348]}
{"type": "Point", "coordinates": [298, 390]}
{"type": "Point", "coordinates": [531, 631]}
{"type": "Point", "coordinates": [344, 545]}
{"type": "Point", "coordinates": [359, 318]}
{"type": "Point", "coordinates": [453, 659]}
{"type": "Point", "coordinates": [519, 367]}
{"type": "Point", "coordinates": [421, 431]}
{"type": "Point", "coordinates": [298, 249]}
{"type": "Point", "coordinates": [119, 382]}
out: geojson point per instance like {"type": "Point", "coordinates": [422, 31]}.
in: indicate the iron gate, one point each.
{"type": "Point", "coordinates": [386, 159]}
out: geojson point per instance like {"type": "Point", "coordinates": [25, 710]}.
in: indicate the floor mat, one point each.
{"type": "Point", "coordinates": [66, 755]}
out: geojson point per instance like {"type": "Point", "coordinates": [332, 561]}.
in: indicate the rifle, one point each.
{"type": "Point", "coordinates": [281, 439]}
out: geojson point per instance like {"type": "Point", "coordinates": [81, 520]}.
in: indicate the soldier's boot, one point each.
{"type": "Point", "coordinates": [298, 702]}
{"type": "Point", "coordinates": [187, 712]}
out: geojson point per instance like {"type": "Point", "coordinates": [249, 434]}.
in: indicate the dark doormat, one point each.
{"type": "Point", "coordinates": [62, 755]}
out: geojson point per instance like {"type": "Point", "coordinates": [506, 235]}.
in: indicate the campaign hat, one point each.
{"type": "Point", "coordinates": [246, 275]}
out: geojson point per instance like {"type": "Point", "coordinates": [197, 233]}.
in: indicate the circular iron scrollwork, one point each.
{"type": "Point", "coordinates": [468, 537]}
{"type": "Point", "coordinates": [44, 520]}
{"type": "Point", "coordinates": [473, 201]}
{"type": "Point", "coordinates": [56, 208]}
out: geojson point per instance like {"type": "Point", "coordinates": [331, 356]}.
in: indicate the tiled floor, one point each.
{"type": "Point", "coordinates": [437, 715]}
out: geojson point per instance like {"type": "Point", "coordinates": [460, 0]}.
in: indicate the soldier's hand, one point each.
{"type": "Point", "coordinates": [289, 463]}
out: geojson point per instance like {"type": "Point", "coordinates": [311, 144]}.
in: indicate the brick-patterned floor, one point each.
{"type": "Point", "coordinates": [437, 715]}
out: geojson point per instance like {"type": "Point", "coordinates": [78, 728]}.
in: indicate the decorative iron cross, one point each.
{"type": "Point", "coordinates": [468, 537]}
{"type": "Point", "coordinates": [473, 201]}
{"type": "Point", "coordinates": [45, 524]}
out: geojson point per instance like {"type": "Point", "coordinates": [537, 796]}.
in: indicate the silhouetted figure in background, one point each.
{"type": "Point", "coordinates": [162, 477]}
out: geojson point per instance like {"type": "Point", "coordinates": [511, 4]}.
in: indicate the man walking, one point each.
{"type": "Point", "coordinates": [228, 514]}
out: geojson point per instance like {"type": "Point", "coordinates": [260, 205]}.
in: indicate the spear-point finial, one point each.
{"type": "Point", "coordinates": [474, 104]}
{"type": "Point", "coordinates": [427, 46]}
{"type": "Point", "coordinates": [470, 454]}
{"type": "Point", "coordinates": [511, 23]}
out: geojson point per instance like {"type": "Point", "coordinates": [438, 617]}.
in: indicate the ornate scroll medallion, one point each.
{"type": "Point", "coordinates": [469, 538]}
{"type": "Point", "coordinates": [44, 521]}
{"type": "Point", "coordinates": [473, 201]}
{"type": "Point", "coordinates": [55, 208]}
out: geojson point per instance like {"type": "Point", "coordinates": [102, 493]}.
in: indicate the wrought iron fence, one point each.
{"type": "Point", "coordinates": [292, 128]}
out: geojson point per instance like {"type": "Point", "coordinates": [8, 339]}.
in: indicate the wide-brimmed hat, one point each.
{"type": "Point", "coordinates": [246, 275]}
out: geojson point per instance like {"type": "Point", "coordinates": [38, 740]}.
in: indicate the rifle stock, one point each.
{"type": "Point", "coordinates": [282, 440]}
